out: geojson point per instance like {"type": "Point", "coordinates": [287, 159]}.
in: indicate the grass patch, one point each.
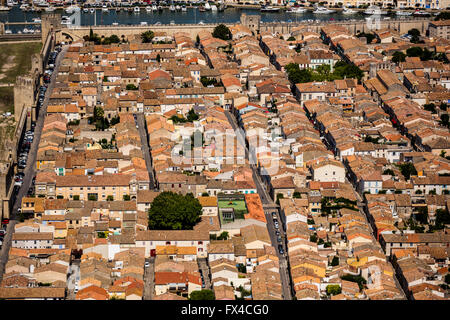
{"type": "Point", "coordinates": [235, 204]}
{"type": "Point", "coordinates": [7, 99]}
{"type": "Point", "coordinates": [15, 59]}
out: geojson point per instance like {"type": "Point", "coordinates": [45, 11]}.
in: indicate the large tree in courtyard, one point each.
{"type": "Point", "coordinates": [172, 211]}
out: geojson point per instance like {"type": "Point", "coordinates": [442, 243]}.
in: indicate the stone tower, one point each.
{"type": "Point", "coordinates": [51, 22]}
{"type": "Point", "coordinates": [251, 21]}
{"type": "Point", "coordinates": [372, 70]}
{"type": "Point", "coordinates": [23, 95]}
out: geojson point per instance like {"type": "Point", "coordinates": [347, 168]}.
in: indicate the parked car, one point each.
{"type": "Point", "coordinates": [279, 239]}
{"type": "Point", "coordinates": [274, 214]}
{"type": "Point", "coordinates": [280, 249]}
{"type": "Point", "coordinates": [147, 264]}
{"type": "Point", "coordinates": [277, 226]}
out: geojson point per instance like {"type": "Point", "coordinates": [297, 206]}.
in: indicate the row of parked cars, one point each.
{"type": "Point", "coordinates": [2, 234]}
{"type": "Point", "coordinates": [51, 64]}
{"type": "Point", "coordinates": [26, 145]}
{"type": "Point", "coordinates": [277, 232]}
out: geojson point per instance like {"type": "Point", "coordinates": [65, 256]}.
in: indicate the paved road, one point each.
{"type": "Point", "coordinates": [145, 147]}
{"type": "Point", "coordinates": [30, 170]}
{"type": "Point", "coordinates": [269, 207]}
{"type": "Point", "coordinates": [149, 280]}
{"type": "Point", "coordinates": [74, 271]}
{"type": "Point", "coordinates": [204, 269]}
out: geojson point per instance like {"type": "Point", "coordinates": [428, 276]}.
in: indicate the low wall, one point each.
{"type": "Point", "coordinates": [355, 26]}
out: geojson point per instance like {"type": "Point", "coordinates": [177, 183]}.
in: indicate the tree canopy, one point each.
{"type": "Point", "coordinates": [191, 116]}
{"type": "Point", "coordinates": [101, 123]}
{"type": "Point", "coordinates": [407, 169]}
{"type": "Point", "coordinates": [415, 35]}
{"type": "Point", "coordinates": [414, 52]}
{"type": "Point", "coordinates": [398, 56]}
{"type": "Point", "coordinates": [172, 211]}
{"type": "Point", "coordinates": [222, 32]}
{"type": "Point", "coordinates": [368, 36]}
{"type": "Point", "coordinates": [333, 289]}
{"type": "Point", "coordinates": [98, 40]}
{"type": "Point", "coordinates": [323, 72]}
{"type": "Point", "coordinates": [202, 295]}
{"type": "Point", "coordinates": [131, 86]}
{"type": "Point", "coordinates": [445, 15]}
{"type": "Point", "coordinates": [147, 36]}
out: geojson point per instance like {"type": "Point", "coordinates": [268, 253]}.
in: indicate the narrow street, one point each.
{"type": "Point", "coordinates": [140, 120]}
{"type": "Point", "coordinates": [74, 277]}
{"type": "Point", "coordinates": [204, 269]}
{"type": "Point", "coordinates": [149, 279]}
{"type": "Point", "coordinates": [269, 207]}
{"type": "Point", "coordinates": [30, 170]}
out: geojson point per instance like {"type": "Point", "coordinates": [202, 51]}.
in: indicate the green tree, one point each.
{"type": "Point", "coordinates": [398, 56]}
{"type": "Point", "coordinates": [333, 289]}
{"type": "Point", "coordinates": [102, 235]}
{"type": "Point", "coordinates": [343, 69]}
{"type": "Point", "coordinates": [98, 113]}
{"type": "Point", "coordinates": [407, 169]}
{"type": "Point", "coordinates": [427, 55]}
{"type": "Point", "coordinates": [358, 279]}
{"type": "Point", "coordinates": [147, 36]}
{"type": "Point", "coordinates": [115, 120]}
{"type": "Point", "coordinates": [414, 52]}
{"type": "Point", "coordinates": [192, 116]}
{"type": "Point", "coordinates": [131, 86]}
{"type": "Point", "coordinates": [110, 198]}
{"type": "Point", "coordinates": [241, 268]}
{"type": "Point", "coordinates": [114, 39]}
{"type": "Point", "coordinates": [223, 236]}
{"type": "Point", "coordinates": [222, 32]}
{"type": "Point", "coordinates": [335, 261]}
{"type": "Point", "coordinates": [297, 195]}
{"type": "Point", "coordinates": [415, 35]}
{"type": "Point", "coordinates": [414, 32]}
{"type": "Point", "coordinates": [442, 217]}
{"type": "Point", "coordinates": [368, 36]}
{"type": "Point", "coordinates": [279, 196]}
{"type": "Point", "coordinates": [207, 82]}
{"type": "Point", "coordinates": [172, 211]}
{"type": "Point", "coordinates": [158, 58]}
{"type": "Point", "coordinates": [444, 120]}
{"type": "Point", "coordinates": [296, 75]}
{"type": "Point", "coordinates": [126, 197]}
{"type": "Point", "coordinates": [430, 107]}
{"type": "Point", "coordinates": [76, 197]}
{"type": "Point", "coordinates": [422, 215]}
{"type": "Point", "coordinates": [447, 278]}
{"type": "Point", "coordinates": [445, 15]}
{"type": "Point", "coordinates": [389, 172]}
{"type": "Point", "coordinates": [291, 38]}
{"type": "Point", "coordinates": [202, 295]}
